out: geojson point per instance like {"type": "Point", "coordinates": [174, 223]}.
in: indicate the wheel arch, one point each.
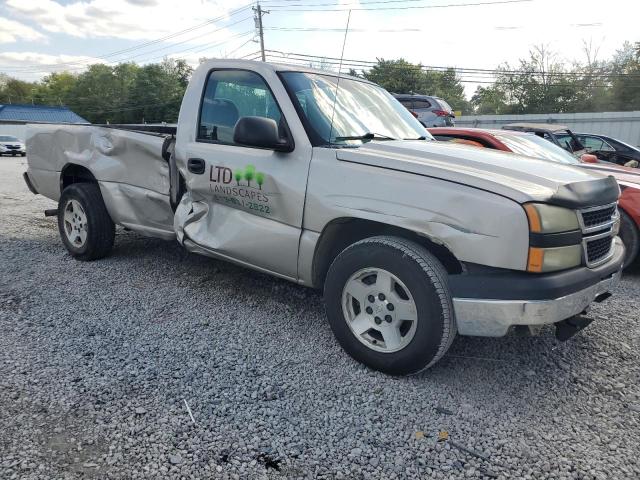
{"type": "Point", "coordinates": [73, 173]}
{"type": "Point", "coordinates": [341, 232]}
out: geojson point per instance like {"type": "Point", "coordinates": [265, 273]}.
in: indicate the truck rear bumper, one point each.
{"type": "Point", "coordinates": [493, 317]}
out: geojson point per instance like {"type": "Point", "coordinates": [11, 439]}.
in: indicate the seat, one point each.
{"type": "Point", "coordinates": [218, 119]}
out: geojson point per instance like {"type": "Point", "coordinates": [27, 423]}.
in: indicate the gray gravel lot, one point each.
{"type": "Point", "coordinates": [97, 360]}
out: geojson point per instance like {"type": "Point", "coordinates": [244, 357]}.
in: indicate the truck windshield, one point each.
{"type": "Point", "coordinates": [363, 112]}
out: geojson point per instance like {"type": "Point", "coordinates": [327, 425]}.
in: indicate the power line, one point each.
{"type": "Point", "coordinates": [341, 30]}
{"type": "Point", "coordinates": [287, 8]}
{"type": "Point", "coordinates": [150, 42]}
{"type": "Point", "coordinates": [467, 70]}
{"type": "Point", "coordinates": [195, 49]}
{"type": "Point", "coordinates": [238, 48]}
{"type": "Point", "coordinates": [405, 68]}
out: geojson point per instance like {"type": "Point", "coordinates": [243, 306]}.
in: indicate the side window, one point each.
{"type": "Point", "coordinates": [595, 143]}
{"type": "Point", "coordinates": [229, 95]}
{"type": "Point", "coordinates": [406, 102]}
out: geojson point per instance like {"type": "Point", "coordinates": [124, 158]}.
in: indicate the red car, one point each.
{"type": "Point", "coordinates": [533, 146]}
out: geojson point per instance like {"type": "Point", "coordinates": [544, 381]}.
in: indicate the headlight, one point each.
{"type": "Point", "coordinates": [554, 239]}
{"type": "Point", "coordinates": [555, 258]}
{"type": "Point", "coordinates": [545, 218]}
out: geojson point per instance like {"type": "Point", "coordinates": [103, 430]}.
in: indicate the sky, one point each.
{"type": "Point", "coordinates": [41, 36]}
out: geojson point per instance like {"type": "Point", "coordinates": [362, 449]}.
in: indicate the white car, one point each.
{"type": "Point", "coordinates": [11, 146]}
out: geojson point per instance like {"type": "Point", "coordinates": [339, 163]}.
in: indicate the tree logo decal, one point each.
{"type": "Point", "coordinates": [249, 174]}
{"type": "Point", "coordinates": [245, 193]}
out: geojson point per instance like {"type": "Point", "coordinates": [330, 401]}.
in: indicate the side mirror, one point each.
{"type": "Point", "coordinates": [260, 132]}
{"type": "Point", "coordinates": [588, 158]}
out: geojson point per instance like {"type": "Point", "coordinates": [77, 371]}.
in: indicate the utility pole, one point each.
{"type": "Point", "coordinates": [258, 19]}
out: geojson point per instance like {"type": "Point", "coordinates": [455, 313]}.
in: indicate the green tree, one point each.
{"type": "Point", "coordinates": [542, 83]}
{"type": "Point", "coordinates": [489, 101]}
{"type": "Point", "coordinates": [56, 89]}
{"type": "Point", "coordinates": [249, 174]}
{"type": "Point", "coordinates": [400, 76]}
{"type": "Point", "coordinates": [260, 179]}
{"type": "Point", "coordinates": [96, 95]}
{"type": "Point", "coordinates": [238, 175]}
{"type": "Point", "coordinates": [16, 91]}
{"type": "Point", "coordinates": [397, 76]}
{"type": "Point", "coordinates": [625, 78]}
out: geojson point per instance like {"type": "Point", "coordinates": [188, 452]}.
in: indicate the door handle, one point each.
{"type": "Point", "coordinates": [196, 165]}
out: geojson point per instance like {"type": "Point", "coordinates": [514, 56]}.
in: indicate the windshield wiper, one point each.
{"type": "Point", "coordinates": [419, 138]}
{"type": "Point", "coordinates": [366, 137]}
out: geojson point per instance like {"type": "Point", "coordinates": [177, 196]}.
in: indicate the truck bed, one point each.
{"type": "Point", "coordinates": [130, 165]}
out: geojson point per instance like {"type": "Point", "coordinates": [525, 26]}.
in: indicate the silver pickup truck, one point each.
{"type": "Point", "coordinates": [331, 183]}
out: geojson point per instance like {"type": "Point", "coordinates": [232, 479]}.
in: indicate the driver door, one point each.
{"type": "Point", "coordinates": [246, 202]}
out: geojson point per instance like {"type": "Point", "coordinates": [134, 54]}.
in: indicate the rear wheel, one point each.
{"type": "Point", "coordinates": [389, 306]}
{"type": "Point", "coordinates": [630, 237]}
{"type": "Point", "coordinates": [86, 229]}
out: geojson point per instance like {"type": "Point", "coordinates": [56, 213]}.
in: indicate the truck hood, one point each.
{"type": "Point", "coordinates": [517, 177]}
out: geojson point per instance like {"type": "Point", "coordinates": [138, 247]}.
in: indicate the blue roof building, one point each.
{"type": "Point", "coordinates": [37, 114]}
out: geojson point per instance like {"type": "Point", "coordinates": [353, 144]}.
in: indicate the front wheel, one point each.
{"type": "Point", "coordinates": [86, 229]}
{"type": "Point", "coordinates": [389, 305]}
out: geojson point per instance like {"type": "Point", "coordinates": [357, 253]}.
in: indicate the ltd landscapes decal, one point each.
{"type": "Point", "coordinates": [241, 188]}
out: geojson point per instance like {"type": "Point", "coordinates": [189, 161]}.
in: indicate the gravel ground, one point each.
{"type": "Point", "coordinates": [98, 362]}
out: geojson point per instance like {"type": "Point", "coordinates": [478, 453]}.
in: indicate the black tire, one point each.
{"type": "Point", "coordinates": [100, 228]}
{"type": "Point", "coordinates": [426, 280]}
{"type": "Point", "coordinates": [630, 237]}
{"type": "Point", "coordinates": [24, 154]}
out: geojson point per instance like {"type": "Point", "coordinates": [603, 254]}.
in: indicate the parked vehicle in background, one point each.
{"type": "Point", "coordinates": [10, 145]}
{"type": "Point", "coordinates": [533, 146]}
{"type": "Point", "coordinates": [559, 135]}
{"type": "Point", "coordinates": [329, 182]}
{"type": "Point", "coordinates": [610, 150]}
{"type": "Point", "coordinates": [430, 111]}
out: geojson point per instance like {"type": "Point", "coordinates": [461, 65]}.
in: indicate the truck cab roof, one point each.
{"type": "Point", "coordinates": [259, 67]}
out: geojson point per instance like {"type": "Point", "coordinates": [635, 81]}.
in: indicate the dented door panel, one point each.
{"type": "Point", "coordinates": [240, 217]}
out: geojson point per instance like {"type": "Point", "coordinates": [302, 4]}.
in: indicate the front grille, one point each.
{"type": "Point", "coordinates": [598, 249]}
{"type": "Point", "coordinates": [597, 225]}
{"type": "Point", "coordinates": [13, 147]}
{"type": "Point", "coordinates": [598, 217]}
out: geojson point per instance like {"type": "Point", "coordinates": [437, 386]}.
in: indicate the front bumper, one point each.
{"type": "Point", "coordinates": [488, 317]}
{"type": "Point", "coordinates": [12, 151]}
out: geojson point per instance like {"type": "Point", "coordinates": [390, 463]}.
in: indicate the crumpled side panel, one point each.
{"type": "Point", "coordinates": [139, 209]}
{"type": "Point", "coordinates": [111, 155]}
{"type": "Point", "coordinates": [216, 229]}
{"type": "Point", "coordinates": [133, 176]}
